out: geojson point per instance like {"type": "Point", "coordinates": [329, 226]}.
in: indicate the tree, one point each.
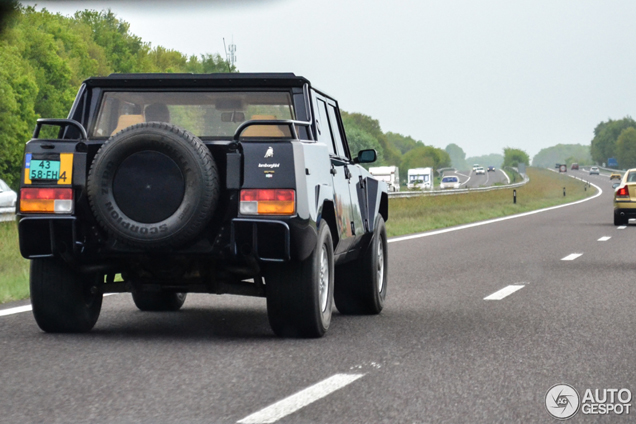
{"type": "Point", "coordinates": [563, 153]}
{"type": "Point", "coordinates": [425, 156]}
{"type": "Point", "coordinates": [359, 140]}
{"type": "Point", "coordinates": [513, 157]}
{"type": "Point", "coordinates": [605, 137]}
{"type": "Point", "coordinates": [391, 155]}
{"type": "Point", "coordinates": [493, 159]}
{"type": "Point", "coordinates": [457, 156]}
{"type": "Point", "coordinates": [626, 148]}
{"type": "Point", "coordinates": [402, 143]}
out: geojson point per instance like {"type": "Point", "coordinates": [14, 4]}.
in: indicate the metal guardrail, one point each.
{"type": "Point", "coordinates": [419, 193]}
{"type": "Point", "coordinates": [7, 214]}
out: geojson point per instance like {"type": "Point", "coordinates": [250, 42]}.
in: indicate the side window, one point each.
{"type": "Point", "coordinates": [335, 131]}
{"type": "Point", "coordinates": [322, 123]}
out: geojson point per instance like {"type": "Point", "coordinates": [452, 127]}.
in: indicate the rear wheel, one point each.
{"type": "Point", "coordinates": [300, 293]}
{"type": "Point", "coordinates": [64, 300]}
{"type": "Point", "coordinates": [159, 301]}
{"type": "Point", "coordinates": [361, 286]}
{"type": "Point", "coordinates": [619, 220]}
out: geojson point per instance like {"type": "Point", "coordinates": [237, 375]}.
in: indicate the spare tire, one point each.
{"type": "Point", "coordinates": [153, 185]}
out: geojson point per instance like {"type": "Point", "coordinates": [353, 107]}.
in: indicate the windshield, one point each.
{"type": "Point", "coordinates": [205, 114]}
{"type": "Point", "coordinates": [449, 179]}
{"type": "Point", "coordinates": [418, 178]}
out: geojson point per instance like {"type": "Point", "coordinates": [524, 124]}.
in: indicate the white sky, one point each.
{"type": "Point", "coordinates": [484, 74]}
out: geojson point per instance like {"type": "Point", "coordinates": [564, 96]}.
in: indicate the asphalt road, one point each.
{"type": "Point", "coordinates": [438, 353]}
{"type": "Point", "coordinates": [469, 179]}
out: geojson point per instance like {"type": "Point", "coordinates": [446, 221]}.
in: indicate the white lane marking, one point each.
{"type": "Point", "coordinates": [492, 221]}
{"type": "Point", "coordinates": [459, 173]}
{"type": "Point", "coordinates": [506, 291]}
{"type": "Point", "coordinates": [622, 227]}
{"type": "Point", "coordinates": [27, 308]}
{"type": "Point", "coordinates": [301, 399]}
{"type": "Point", "coordinates": [604, 238]}
{"type": "Point", "coordinates": [572, 256]}
{"type": "Point", "coordinates": [505, 175]}
{"type": "Point", "coordinates": [16, 310]}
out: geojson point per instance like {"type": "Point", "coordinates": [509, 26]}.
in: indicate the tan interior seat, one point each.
{"type": "Point", "coordinates": [265, 130]}
{"type": "Point", "coordinates": [127, 120]}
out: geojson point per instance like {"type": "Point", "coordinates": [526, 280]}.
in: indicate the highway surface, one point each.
{"type": "Point", "coordinates": [449, 347]}
{"type": "Point", "coordinates": [469, 179]}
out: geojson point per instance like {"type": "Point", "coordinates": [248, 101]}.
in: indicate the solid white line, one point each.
{"type": "Point", "coordinates": [604, 238]}
{"type": "Point", "coordinates": [492, 221]}
{"type": "Point", "coordinates": [622, 227]}
{"type": "Point", "coordinates": [506, 291]}
{"type": "Point", "coordinates": [505, 175]}
{"type": "Point", "coordinates": [16, 310]}
{"type": "Point", "coordinates": [572, 256]}
{"type": "Point", "coordinates": [301, 399]}
{"type": "Point", "coordinates": [27, 308]}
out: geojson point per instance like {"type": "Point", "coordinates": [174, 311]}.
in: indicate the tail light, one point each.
{"type": "Point", "coordinates": [622, 193]}
{"type": "Point", "coordinates": [268, 202]}
{"type": "Point", "coordinates": [46, 200]}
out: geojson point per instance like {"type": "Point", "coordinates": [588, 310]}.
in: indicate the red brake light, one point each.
{"type": "Point", "coordinates": [268, 202]}
{"type": "Point", "coordinates": [622, 192]}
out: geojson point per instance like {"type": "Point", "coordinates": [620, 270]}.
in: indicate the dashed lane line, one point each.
{"type": "Point", "coordinates": [506, 291]}
{"type": "Point", "coordinates": [293, 403]}
{"type": "Point", "coordinates": [604, 238]}
{"type": "Point", "coordinates": [622, 227]}
{"type": "Point", "coordinates": [572, 256]}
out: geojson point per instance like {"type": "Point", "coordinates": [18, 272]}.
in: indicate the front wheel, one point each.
{"type": "Point", "coordinates": [361, 285]}
{"type": "Point", "coordinates": [300, 293]}
{"type": "Point", "coordinates": [64, 300]}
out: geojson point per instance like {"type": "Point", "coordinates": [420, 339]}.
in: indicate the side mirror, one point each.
{"type": "Point", "coordinates": [615, 185]}
{"type": "Point", "coordinates": [366, 156]}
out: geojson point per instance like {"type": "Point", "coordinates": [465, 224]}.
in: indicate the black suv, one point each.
{"type": "Point", "coordinates": [167, 184]}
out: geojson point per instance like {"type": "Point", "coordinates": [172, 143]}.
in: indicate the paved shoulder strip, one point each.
{"type": "Point", "coordinates": [506, 291]}
{"type": "Point", "coordinates": [301, 399]}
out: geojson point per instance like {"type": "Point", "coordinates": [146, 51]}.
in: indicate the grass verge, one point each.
{"type": "Point", "coordinates": [14, 269]}
{"type": "Point", "coordinates": [545, 189]}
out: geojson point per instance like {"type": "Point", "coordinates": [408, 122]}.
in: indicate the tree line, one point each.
{"type": "Point", "coordinates": [44, 57]}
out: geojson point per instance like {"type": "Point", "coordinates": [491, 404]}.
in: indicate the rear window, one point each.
{"type": "Point", "coordinates": [204, 113]}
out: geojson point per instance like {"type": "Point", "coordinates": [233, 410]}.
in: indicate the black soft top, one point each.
{"type": "Point", "coordinates": [220, 80]}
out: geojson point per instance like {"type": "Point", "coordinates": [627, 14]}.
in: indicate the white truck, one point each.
{"type": "Point", "coordinates": [388, 174]}
{"type": "Point", "coordinates": [421, 178]}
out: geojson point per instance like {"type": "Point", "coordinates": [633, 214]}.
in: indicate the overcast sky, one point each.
{"type": "Point", "coordinates": [484, 74]}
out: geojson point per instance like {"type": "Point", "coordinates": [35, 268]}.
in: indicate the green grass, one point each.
{"type": "Point", "coordinates": [14, 269]}
{"type": "Point", "coordinates": [406, 216]}
{"type": "Point", "coordinates": [417, 214]}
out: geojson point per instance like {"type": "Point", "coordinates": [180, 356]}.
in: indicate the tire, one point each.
{"type": "Point", "coordinates": [361, 286]}
{"type": "Point", "coordinates": [159, 301]}
{"type": "Point", "coordinates": [300, 293]}
{"type": "Point", "coordinates": [64, 301]}
{"type": "Point", "coordinates": [619, 220]}
{"type": "Point", "coordinates": [153, 185]}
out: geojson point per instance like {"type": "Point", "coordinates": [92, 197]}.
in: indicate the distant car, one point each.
{"type": "Point", "coordinates": [557, 166]}
{"type": "Point", "coordinates": [625, 198]}
{"type": "Point", "coordinates": [449, 182]}
{"type": "Point", "coordinates": [615, 176]}
{"type": "Point", "coordinates": [575, 166]}
{"type": "Point", "coordinates": [594, 170]}
{"type": "Point", "coordinates": [475, 166]}
{"type": "Point", "coordinates": [491, 168]}
{"type": "Point", "coordinates": [480, 170]}
{"type": "Point", "coordinates": [8, 197]}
